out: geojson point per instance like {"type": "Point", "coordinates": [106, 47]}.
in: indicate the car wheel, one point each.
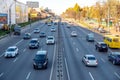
{"type": "Point", "coordinates": [114, 62]}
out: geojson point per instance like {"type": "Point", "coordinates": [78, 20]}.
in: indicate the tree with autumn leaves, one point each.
{"type": "Point", "coordinates": [99, 12]}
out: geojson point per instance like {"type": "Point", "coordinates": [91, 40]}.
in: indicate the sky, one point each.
{"type": "Point", "coordinates": [59, 6]}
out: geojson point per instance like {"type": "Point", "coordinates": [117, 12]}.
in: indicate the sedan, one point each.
{"type": "Point", "coordinates": [36, 30]}
{"type": "Point", "coordinates": [27, 36]}
{"type": "Point", "coordinates": [74, 34]}
{"type": "Point", "coordinates": [42, 34]}
{"type": "Point", "coordinates": [114, 57]}
{"type": "Point", "coordinates": [12, 51]}
{"type": "Point", "coordinates": [90, 60]}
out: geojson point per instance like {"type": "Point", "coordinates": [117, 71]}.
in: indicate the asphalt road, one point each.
{"type": "Point", "coordinates": [65, 57]}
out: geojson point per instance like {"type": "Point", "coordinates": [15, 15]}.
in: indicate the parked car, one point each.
{"type": "Point", "coordinates": [34, 43]}
{"type": "Point", "coordinates": [74, 34]}
{"type": "Point", "coordinates": [90, 60]}
{"type": "Point", "coordinates": [12, 51]}
{"type": "Point", "coordinates": [50, 40]}
{"type": "Point", "coordinates": [36, 30]}
{"type": "Point", "coordinates": [101, 46]}
{"type": "Point", "coordinates": [114, 57]}
{"type": "Point", "coordinates": [27, 36]}
{"type": "Point", "coordinates": [90, 37]}
{"type": "Point", "coordinates": [42, 34]}
{"type": "Point", "coordinates": [40, 60]}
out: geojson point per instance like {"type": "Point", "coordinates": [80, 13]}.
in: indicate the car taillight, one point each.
{"type": "Point", "coordinates": [96, 61]}
{"type": "Point", "coordinates": [87, 61]}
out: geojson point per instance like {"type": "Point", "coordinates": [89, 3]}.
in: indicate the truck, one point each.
{"type": "Point", "coordinates": [17, 30]}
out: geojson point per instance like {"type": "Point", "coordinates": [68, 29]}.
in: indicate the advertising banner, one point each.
{"type": "Point", "coordinates": [3, 18]}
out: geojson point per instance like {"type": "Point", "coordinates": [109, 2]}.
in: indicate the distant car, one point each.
{"type": "Point", "coordinates": [114, 57]}
{"type": "Point", "coordinates": [50, 40]}
{"type": "Point", "coordinates": [55, 23]}
{"type": "Point", "coordinates": [40, 60]}
{"type": "Point", "coordinates": [90, 37]}
{"type": "Point", "coordinates": [49, 24]}
{"type": "Point", "coordinates": [12, 51]}
{"type": "Point", "coordinates": [27, 36]}
{"type": "Point", "coordinates": [53, 29]}
{"type": "Point", "coordinates": [36, 30]}
{"type": "Point", "coordinates": [34, 43]}
{"type": "Point", "coordinates": [42, 34]}
{"type": "Point", "coordinates": [74, 34]}
{"type": "Point", "coordinates": [101, 46]}
{"type": "Point", "coordinates": [90, 60]}
{"type": "Point", "coordinates": [68, 26]}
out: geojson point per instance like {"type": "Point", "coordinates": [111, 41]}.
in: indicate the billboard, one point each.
{"type": "Point", "coordinates": [3, 18]}
{"type": "Point", "coordinates": [31, 4]}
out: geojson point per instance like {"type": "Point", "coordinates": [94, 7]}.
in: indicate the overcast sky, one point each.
{"type": "Point", "coordinates": [59, 6]}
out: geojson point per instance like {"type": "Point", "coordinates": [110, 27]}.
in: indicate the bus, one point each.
{"type": "Point", "coordinates": [113, 41]}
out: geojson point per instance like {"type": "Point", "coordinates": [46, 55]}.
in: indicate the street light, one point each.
{"type": "Point", "coordinates": [10, 14]}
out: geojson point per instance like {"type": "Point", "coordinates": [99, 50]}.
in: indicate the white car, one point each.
{"type": "Point", "coordinates": [50, 40]}
{"type": "Point", "coordinates": [90, 60]}
{"type": "Point", "coordinates": [74, 34]}
{"type": "Point", "coordinates": [53, 29]}
{"type": "Point", "coordinates": [12, 51]}
{"type": "Point", "coordinates": [36, 30]}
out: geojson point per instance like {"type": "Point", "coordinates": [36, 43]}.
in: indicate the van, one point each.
{"type": "Point", "coordinates": [40, 60]}
{"type": "Point", "coordinates": [90, 37]}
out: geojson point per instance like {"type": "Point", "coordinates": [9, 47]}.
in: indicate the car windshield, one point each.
{"type": "Point", "coordinates": [104, 45]}
{"type": "Point", "coordinates": [39, 57]}
{"type": "Point", "coordinates": [11, 49]}
{"type": "Point", "coordinates": [33, 41]}
{"type": "Point", "coordinates": [50, 37]}
{"type": "Point", "coordinates": [91, 58]}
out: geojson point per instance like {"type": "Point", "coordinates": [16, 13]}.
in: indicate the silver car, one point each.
{"type": "Point", "coordinates": [90, 60]}
{"type": "Point", "coordinates": [12, 51]}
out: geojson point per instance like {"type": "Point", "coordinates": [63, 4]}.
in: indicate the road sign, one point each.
{"type": "Point", "coordinates": [3, 18]}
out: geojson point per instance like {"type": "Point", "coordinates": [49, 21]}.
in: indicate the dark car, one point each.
{"type": "Point", "coordinates": [114, 57]}
{"type": "Point", "coordinates": [34, 43]}
{"type": "Point", "coordinates": [101, 46]}
{"type": "Point", "coordinates": [42, 34]}
{"type": "Point", "coordinates": [27, 36]}
{"type": "Point", "coordinates": [90, 37]}
{"type": "Point", "coordinates": [40, 60]}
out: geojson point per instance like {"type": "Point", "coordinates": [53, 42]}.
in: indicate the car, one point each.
{"type": "Point", "coordinates": [27, 36]}
{"type": "Point", "coordinates": [42, 34]}
{"type": "Point", "coordinates": [49, 24]}
{"type": "Point", "coordinates": [114, 57]}
{"type": "Point", "coordinates": [90, 60]}
{"type": "Point", "coordinates": [40, 60]}
{"type": "Point", "coordinates": [50, 40]}
{"type": "Point", "coordinates": [90, 37]}
{"type": "Point", "coordinates": [101, 46]}
{"type": "Point", "coordinates": [36, 30]}
{"type": "Point", "coordinates": [53, 29]}
{"type": "Point", "coordinates": [34, 43]}
{"type": "Point", "coordinates": [11, 51]}
{"type": "Point", "coordinates": [74, 34]}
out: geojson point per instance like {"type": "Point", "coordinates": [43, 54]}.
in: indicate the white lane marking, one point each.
{"type": "Point", "coordinates": [24, 50]}
{"type": "Point", "coordinates": [117, 75]}
{"type": "Point", "coordinates": [28, 75]}
{"type": "Point", "coordinates": [53, 62]}
{"type": "Point", "coordinates": [67, 69]}
{"type": "Point", "coordinates": [1, 74]}
{"type": "Point", "coordinates": [19, 42]}
{"type": "Point", "coordinates": [77, 49]}
{"type": "Point", "coordinates": [15, 60]}
{"type": "Point", "coordinates": [91, 76]}
{"type": "Point", "coordinates": [1, 55]}
{"type": "Point", "coordinates": [103, 60]}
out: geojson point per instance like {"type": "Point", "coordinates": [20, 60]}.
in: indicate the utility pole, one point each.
{"type": "Point", "coordinates": [108, 25]}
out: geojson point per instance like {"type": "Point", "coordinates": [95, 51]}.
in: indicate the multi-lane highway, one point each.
{"type": "Point", "coordinates": [64, 57]}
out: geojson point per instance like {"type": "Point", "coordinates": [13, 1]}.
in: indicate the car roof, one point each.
{"type": "Point", "coordinates": [101, 42]}
{"type": "Point", "coordinates": [89, 55]}
{"type": "Point", "coordinates": [117, 53]}
{"type": "Point", "coordinates": [34, 39]}
{"type": "Point", "coordinates": [42, 52]}
{"type": "Point", "coordinates": [12, 47]}
{"type": "Point", "coordinates": [50, 36]}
